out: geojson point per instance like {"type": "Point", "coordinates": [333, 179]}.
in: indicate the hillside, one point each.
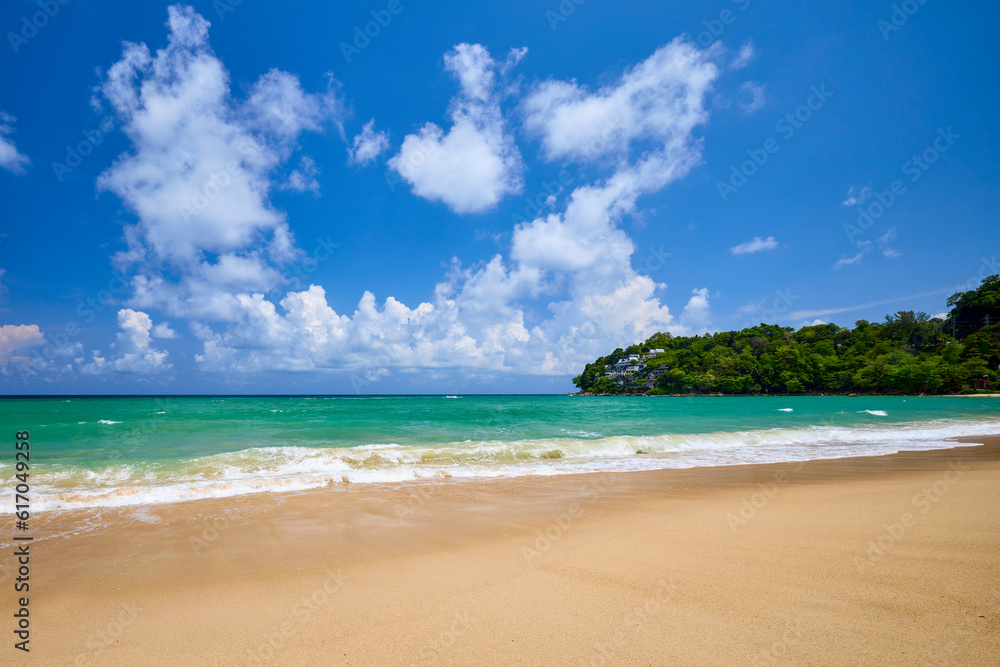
{"type": "Point", "coordinates": [909, 353]}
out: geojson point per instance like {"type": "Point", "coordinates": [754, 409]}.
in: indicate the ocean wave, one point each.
{"type": "Point", "coordinates": [107, 421]}
{"type": "Point", "coordinates": [296, 468]}
{"type": "Point", "coordinates": [877, 413]}
{"type": "Point", "coordinates": [785, 409]}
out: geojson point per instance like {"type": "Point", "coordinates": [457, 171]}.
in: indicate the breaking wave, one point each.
{"type": "Point", "coordinates": [296, 468]}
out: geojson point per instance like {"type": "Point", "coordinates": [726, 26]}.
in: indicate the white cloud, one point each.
{"type": "Point", "coordinates": [697, 314]}
{"type": "Point", "coordinates": [577, 261]}
{"type": "Point", "coordinates": [745, 55]}
{"type": "Point", "coordinates": [303, 178]}
{"type": "Point", "coordinates": [476, 163]}
{"type": "Point", "coordinates": [566, 292]}
{"type": "Point", "coordinates": [661, 100]}
{"type": "Point", "coordinates": [885, 240]}
{"type": "Point", "coordinates": [368, 144]}
{"type": "Point", "coordinates": [801, 314]}
{"type": "Point", "coordinates": [864, 247]}
{"type": "Point", "coordinates": [751, 307]}
{"type": "Point", "coordinates": [202, 168]}
{"type": "Point", "coordinates": [756, 245]}
{"type": "Point", "coordinates": [856, 196]}
{"type": "Point", "coordinates": [14, 337]}
{"type": "Point", "coordinates": [136, 353]}
{"type": "Point", "coordinates": [10, 158]}
{"type": "Point", "coordinates": [757, 96]}
{"type": "Point", "coordinates": [163, 330]}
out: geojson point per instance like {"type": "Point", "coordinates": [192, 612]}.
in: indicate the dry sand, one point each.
{"type": "Point", "coordinates": [889, 560]}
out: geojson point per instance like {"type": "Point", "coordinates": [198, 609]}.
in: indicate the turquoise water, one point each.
{"type": "Point", "coordinates": [138, 450]}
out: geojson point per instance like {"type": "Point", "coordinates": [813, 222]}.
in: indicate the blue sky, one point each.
{"type": "Point", "coordinates": [262, 198]}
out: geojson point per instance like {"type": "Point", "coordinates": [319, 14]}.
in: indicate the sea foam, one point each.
{"type": "Point", "coordinates": [297, 468]}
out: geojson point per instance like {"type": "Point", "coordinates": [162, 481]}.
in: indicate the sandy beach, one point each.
{"type": "Point", "coordinates": [890, 560]}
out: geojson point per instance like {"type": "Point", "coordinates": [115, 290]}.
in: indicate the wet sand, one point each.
{"type": "Point", "coordinates": [892, 560]}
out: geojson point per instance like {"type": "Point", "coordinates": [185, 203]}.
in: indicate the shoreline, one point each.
{"type": "Point", "coordinates": [802, 394]}
{"type": "Point", "coordinates": [763, 563]}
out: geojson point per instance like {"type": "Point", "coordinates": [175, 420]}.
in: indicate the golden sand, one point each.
{"type": "Point", "coordinates": [890, 560]}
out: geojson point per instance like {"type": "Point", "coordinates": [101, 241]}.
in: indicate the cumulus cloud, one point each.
{"type": "Point", "coordinates": [476, 163]}
{"type": "Point", "coordinates": [368, 144]}
{"type": "Point", "coordinates": [577, 260]}
{"type": "Point", "coordinates": [163, 330]}
{"type": "Point", "coordinates": [697, 314]}
{"type": "Point", "coordinates": [14, 337]}
{"type": "Point", "coordinates": [135, 351]}
{"type": "Point", "coordinates": [757, 244]}
{"type": "Point", "coordinates": [10, 158]}
{"type": "Point", "coordinates": [755, 91]}
{"type": "Point", "coordinates": [202, 168]}
{"type": "Point", "coordinates": [564, 293]}
{"type": "Point", "coordinates": [661, 100]}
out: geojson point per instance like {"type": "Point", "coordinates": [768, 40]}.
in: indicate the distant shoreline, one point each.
{"type": "Point", "coordinates": [587, 393]}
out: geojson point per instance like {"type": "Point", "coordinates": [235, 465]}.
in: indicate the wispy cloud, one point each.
{"type": "Point", "coordinates": [756, 245]}
{"type": "Point", "coordinates": [805, 314]}
{"type": "Point", "coordinates": [864, 247]}
{"type": "Point", "coordinates": [10, 158]}
{"type": "Point", "coordinates": [885, 239]}
{"type": "Point", "coordinates": [856, 196]}
{"type": "Point", "coordinates": [743, 58]}
{"type": "Point", "coordinates": [757, 96]}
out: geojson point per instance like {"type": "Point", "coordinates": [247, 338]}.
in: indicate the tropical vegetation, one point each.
{"type": "Point", "coordinates": [908, 353]}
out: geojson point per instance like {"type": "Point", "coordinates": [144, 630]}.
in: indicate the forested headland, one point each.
{"type": "Point", "coordinates": [908, 353]}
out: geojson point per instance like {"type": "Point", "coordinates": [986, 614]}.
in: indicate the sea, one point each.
{"type": "Point", "coordinates": [98, 452]}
